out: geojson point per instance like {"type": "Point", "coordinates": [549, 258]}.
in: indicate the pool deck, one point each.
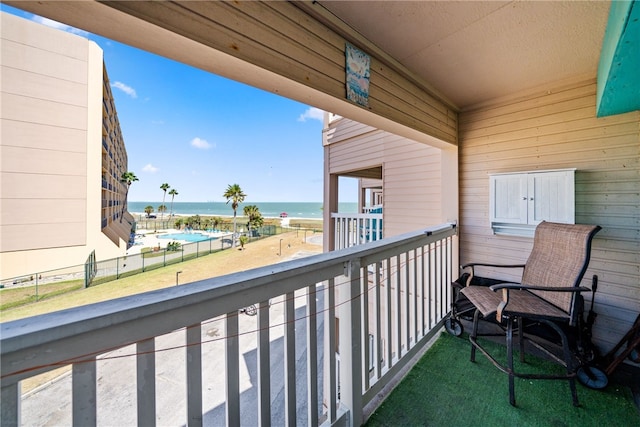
{"type": "Point", "coordinates": [149, 239]}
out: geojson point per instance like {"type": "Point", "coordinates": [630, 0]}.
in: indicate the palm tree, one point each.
{"type": "Point", "coordinates": [216, 221]}
{"type": "Point", "coordinates": [148, 210]}
{"type": "Point", "coordinates": [255, 217]}
{"type": "Point", "coordinates": [173, 193]}
{"type": "Point", "coordinates": [234, 195]}
{"type": "Point", "coordinates": [164, 187]}
{"type": "Point", "coordinates": [127, 178]}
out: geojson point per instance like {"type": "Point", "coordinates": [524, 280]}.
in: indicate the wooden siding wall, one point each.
{"type": "Point", "coordinates": [411, 172]}
{"type": "Point", "coordinates": [552, 130]}
{"type": "Point", "coordinates": [284, 38]}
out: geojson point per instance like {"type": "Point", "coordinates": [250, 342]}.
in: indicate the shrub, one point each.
{"type": "Point", "coordinates": [243, 240]}
{"type": "Point", "coordinates": [173, 246]}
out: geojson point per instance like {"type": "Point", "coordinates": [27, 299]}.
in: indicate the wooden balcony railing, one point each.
{"type": "Point", "coordinates": [356, 229]}
{"type": "Point", "coordinates": [329, 332]}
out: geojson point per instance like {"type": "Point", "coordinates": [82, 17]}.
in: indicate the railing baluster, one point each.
{"type": "Point", "coordinates": [449, 241]}
{"type": "Point", "coordinates": [232, 355]}
{"type": "Point", "coordinates": [389, 304]}
{"type": "Point", "coordinates": [423, 292]}
{"type": "Point", "coordinates": [194, 375]}
{"type": "Point", "coordinates": [264, 365]}
{"type": "Point", "coordinates": [290, 359]}
{"type": "Point", "coordinates": [330, 328]}
{"type": "Point", "coordinates": [84, 393]}
{"type": "Point", "coordinates": [312, 356]}
{"type": "Point", "coordinates": [377, 346]}
{"type": "Point", "coordinates": [365, 326]}
{"type": "Point", "coordinates": [398, 303]}
{"type": "Point", "coordinates": [407, 303]}
{"type": "Point", "coordinates": [415, 295]}
{"type": "Point", "coordinates": [146, 382]}
{"type": "Point", "coordinates": [431, 284]}
{"type": "Point", "coordinates": [351, 384]}
{"type": "Point", "coordinates": [10, 398]}
{"type": "Point", "coordinates": [440, 288]}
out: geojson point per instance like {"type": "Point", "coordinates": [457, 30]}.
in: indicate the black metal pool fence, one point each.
{"type": "Point", "coordinates": [39, 285]}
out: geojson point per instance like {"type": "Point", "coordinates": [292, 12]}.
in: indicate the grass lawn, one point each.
{"type": "Point", "coordinates": [256, 254]}
{"type": "Point", "coordinates": [13, 297]}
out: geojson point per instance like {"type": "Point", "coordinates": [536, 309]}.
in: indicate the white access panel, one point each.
{"type": "Point", "coordinates": [509, 198]}
{"type": "Point", "coordinates": [519, 201]}
{"type": "Point", "coordinates": [551, 197]}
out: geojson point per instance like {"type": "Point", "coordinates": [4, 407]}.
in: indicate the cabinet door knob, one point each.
{"type": "Point", "coordinates": [524, 198]}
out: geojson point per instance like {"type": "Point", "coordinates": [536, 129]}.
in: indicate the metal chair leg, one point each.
{"type": "Point", "coordinates": [521, 339]}
{"type": "Point", "coordinates": [568, 361]}
{"type": "Point", "coordinates": [512, 394]}
{"type": "Point", "coordinates": [570, 369]}
{"type": "Point", "coordinates": [474, 334]}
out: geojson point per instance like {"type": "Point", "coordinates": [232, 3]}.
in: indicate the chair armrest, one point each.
{"type": "Point", "coordinates": [473, 264]}
{"type": "Point", "coordinates": [505, 287]}
{"type": "Point", "coordinates": [508, 286]}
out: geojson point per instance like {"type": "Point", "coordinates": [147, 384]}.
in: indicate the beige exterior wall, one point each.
{"type": "Point", "coordinates": [413, 175]}
{"type": "Point", "coordinates": [50, 153]}
{"type": "Point", "coordinates": [550, 129]}
{"type": "Point", "coordinates": [554, 129]}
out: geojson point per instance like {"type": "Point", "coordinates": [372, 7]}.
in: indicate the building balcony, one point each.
{"type": "Point", "coordinates": [327, 335]}
{"type": "Point", "coordinates": [356, 229]}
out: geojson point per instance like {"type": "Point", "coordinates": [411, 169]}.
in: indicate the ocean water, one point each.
{"type": "Point", "coordinates": [268, 209]}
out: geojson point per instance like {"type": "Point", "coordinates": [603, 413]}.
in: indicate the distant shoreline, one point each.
{"type": "Point", "coordinates": [294, 210]}
{"type": "Point", "coordinates": [141, 216]}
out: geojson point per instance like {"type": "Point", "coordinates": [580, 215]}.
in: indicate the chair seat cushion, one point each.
{"type": "Point", "coordinates": [521, 303]}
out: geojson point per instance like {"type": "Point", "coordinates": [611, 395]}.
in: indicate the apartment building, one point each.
{"type": "Point", "coordinates": [62, 152]}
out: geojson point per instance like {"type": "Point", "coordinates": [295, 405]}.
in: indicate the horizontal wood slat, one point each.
{"type": "Point", "coordinates": [282, 38]}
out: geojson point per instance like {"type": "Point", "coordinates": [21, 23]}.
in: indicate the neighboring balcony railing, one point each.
{"type": "Point", "coordinates": [356, 229]}
{"type": "Point", "coordinates": [310, 341]}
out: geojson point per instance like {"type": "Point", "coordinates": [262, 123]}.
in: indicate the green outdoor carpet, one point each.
{"type": "Point", "coordinates": [446, 389]}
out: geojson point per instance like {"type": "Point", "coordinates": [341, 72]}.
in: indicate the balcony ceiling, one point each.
{"type": "Point", "coordinates": [477, 51]}
{"type": "Point", "coordinates": [465, 52]}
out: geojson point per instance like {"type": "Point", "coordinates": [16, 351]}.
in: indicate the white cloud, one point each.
{"type": "Point", "coordinates": [312, 113]}
{"type": "Point", "coordinates": [150, 168]}
{"type": "Point", "coordinates": [125, 88]}
{"type": "Point", "coordinates": [59, 26]}
{"type": "Point", "coordinates": [200, 143]}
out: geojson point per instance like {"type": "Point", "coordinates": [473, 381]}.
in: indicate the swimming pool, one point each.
{"type": "Point", "coordinates": [189, 237]}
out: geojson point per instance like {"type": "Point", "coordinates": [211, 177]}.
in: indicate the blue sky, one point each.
{"type": "Point", "coordinates": [199, 132]}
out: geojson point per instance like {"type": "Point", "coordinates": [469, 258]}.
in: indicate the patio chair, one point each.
{"type": "Point", "coordinates": [549, 294]}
